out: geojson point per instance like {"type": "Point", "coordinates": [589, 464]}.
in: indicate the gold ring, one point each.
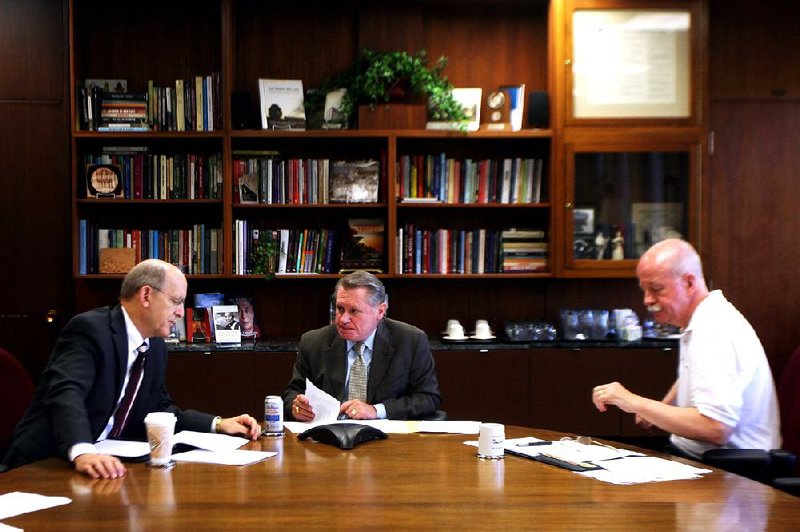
{"type": "Point", "coordinates": [296, 408]}
{"type": "Point", "coordinates": [353, 412]}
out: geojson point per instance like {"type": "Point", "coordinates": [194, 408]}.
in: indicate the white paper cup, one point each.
{"type": "Point", "coordinates": [490, 441]}
{"type": "Point", "coordinates": [160, 432]}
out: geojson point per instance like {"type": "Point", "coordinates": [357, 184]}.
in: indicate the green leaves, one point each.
{"type": "Point", "coordinates": [380, 77]}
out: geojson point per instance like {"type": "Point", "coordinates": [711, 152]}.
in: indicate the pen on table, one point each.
{"type": "Point", "coordinates": [532, 443]}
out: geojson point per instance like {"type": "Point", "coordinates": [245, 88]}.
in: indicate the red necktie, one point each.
{"type": "Point", "coordinates": [124, 408]}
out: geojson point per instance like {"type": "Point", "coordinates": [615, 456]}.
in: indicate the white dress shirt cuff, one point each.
{"type": "Point", "coordinates": [79, 449]}
{"type": "Point", "coordinates": [381, 411]}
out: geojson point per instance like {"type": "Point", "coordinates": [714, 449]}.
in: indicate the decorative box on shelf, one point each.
{"type": "Point", "coordinates": [392, 116]}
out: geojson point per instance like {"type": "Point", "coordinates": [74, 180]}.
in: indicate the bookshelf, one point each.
{"type": "Point", "coordinates": [242, 41]}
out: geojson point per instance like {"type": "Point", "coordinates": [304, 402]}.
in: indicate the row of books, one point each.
{"type": "Point", "coordinates": [193, 104]}
{"type": "Point", "coordinates": [468, 251]}
{"type": "Point", "coordinates": [197, 250]}
{"type": "Point", "coordinates": [440, 178]}
{"type": "Point", "coordinates": [523, 250]}
{"type": "Point", "coordinates": [301, 250]}
{"type": "Point", "coordinates": [266, 178]}
{"type": "Point", "coordinates": [144, 175]}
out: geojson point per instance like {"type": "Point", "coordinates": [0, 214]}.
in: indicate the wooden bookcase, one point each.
{"type": "Point", "coordinates": [510, 41]}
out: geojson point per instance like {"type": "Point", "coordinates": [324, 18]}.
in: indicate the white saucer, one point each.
{"type": "Point", "coordinates": [454, 339]}
{"type": "Point", "coordinates": [473, 337]}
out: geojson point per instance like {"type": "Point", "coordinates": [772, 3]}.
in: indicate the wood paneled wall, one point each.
{"type": "Point", "coordinates": [753, 245]}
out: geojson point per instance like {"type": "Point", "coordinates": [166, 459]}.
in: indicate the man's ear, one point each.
{"type": "Point", "coordinates": [382, 310]}
{"type": "Point", "coordinates": [145, 295]}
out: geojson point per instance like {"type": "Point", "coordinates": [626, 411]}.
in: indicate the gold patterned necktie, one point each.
{"type": "Point", "coordinates": [357, 389]}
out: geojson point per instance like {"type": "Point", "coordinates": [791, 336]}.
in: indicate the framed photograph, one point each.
{"type": "Point", "coordinates": [247, 316]}
{"type": "Point", "coordinates": [654, 222]}
{"type": "Point", "coordinates": [583, 221]}
{"type": "Point", "coordinates": [227, 326]}
{"type": "Point", "coordinates": [354, 181]}
{"type": "Point", "coordinates": [103, 181]}
{"type": "Point", "coordinates": [631, 63]}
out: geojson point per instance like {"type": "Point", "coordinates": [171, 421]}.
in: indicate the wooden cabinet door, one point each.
{"type": "Point", "coordinates": [272, 373]}
{"type": "Point", "coordinates": [649, 373]}
{"type": "Point", "coordinates": [217, 382]}
{"type": "Point", "coordinates": [485, 385]}
{"type": "Point", "coordinates": [561, 390]}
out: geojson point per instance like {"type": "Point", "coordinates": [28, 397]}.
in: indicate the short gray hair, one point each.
{"type": "Point", "coordinates": [150, 272]}
{"type": "Point", "coordinates": [363, 279]}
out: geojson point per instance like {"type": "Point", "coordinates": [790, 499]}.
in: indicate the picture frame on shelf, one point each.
{"type": "Point", "coordinates": [470, 99]}
{"type": "Point", "coordinates": [227, 324]}
{"type": "Point", "coordinates": [631, 63]}
{"type": "Point", "coordinates": [104, 181]}
{"type": "Point", "coordinates": [653, 222]}
{"type": "Point", "coordinates": [354, 181]}
{"type": "Point", "coordinates": [583, 221]}
{"type": "Point", "coordinates": [282, 105]}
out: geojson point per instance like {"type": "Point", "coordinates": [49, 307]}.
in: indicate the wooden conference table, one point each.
{"type": "Point", "coordinates": [421, 481]}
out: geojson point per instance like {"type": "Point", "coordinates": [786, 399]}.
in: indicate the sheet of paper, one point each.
{"type": "Point", "coordinates": [230, 457]}
{"type": "Point", "coordinates": [18, 502]}
{"type": "Point", "coordinates": [123, 448]}
{"type": "Point", "coordinates": [635, 470]}
{"type": "Point", "coordinates": [528, 445]}
{"type": "Point", "coordinates": [325, 406]}
{"type": "Point", "coordinates": [578, 453]}
{"type": "Point", "coordinates": [202, 440]}
{"type": "Point", "coordinates": [9, 528]}
{"type": "Point", "coordinates": [210, 441]}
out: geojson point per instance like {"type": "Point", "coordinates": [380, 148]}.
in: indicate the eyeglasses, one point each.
{"type": "Point", "coordinates": [176, 301]}
{"type": "Point", "coordinates": [586, 440]}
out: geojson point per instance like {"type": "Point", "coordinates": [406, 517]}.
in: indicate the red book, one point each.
{"type": "Point", "coordinates": [239, 168]}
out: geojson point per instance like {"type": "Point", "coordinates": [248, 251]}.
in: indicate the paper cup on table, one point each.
{"type": "Point", "coordinates": [490, 441]}
{"type": "Point", "coordinates": [160, 432]}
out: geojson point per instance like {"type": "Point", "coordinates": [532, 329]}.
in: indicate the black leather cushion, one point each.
{"type": "Point", "coordinates": [343, 435]}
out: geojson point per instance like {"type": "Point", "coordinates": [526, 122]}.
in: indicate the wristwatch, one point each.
{"type": "Point", "coordinates": [218, 424]}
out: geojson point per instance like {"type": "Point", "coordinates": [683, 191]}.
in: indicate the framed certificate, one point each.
{"type": "Point", "coordinates": [631, 63]}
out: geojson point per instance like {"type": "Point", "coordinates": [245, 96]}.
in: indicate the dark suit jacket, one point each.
{"type": "Point", "coordinates": [401, 375]}
{"type": "Point", "coordinates": [79, 389]}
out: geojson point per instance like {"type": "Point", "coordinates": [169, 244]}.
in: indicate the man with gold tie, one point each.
{"type": "Point", "coordinates": [377, 367]}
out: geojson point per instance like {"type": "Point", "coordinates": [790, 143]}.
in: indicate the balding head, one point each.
{"type": "Point", "coordinates": [153, 293]}
{"type": "Point", "coordinates": [671, 277]}
{"type": "Point", "coordinates": [675, 257]}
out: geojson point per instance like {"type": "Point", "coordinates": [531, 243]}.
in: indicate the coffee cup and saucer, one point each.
{"type": "Point", "coordinates": [454, 332]}
{"type": "Point", "coordinates": [482, 331]}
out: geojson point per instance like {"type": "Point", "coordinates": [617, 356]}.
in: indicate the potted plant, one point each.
{"type": "Point", "coordinates": [379, 77]}
{"type": "Point", "coordinates": [264, 257]}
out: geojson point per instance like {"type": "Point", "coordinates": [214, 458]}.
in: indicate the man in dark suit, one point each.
{"type": "Point", "coordinates": [398, 364]}
{"type": "Point", "coordinates": [84, 394]}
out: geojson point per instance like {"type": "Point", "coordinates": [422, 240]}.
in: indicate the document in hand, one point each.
{"type": "Point", "coordinates": [325, 406]}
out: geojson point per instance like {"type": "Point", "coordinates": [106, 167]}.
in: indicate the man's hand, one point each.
{"type": "Point", "coordinates": [99, 465]}
{"type": "Point", "coordinates": [243, 425]}
{"type": "Point", "coordinates": [356, 409]}
{"type": "Point", "coordinates": [614, 394]}
{"type": "Point", "coordinates": [301, 409]}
